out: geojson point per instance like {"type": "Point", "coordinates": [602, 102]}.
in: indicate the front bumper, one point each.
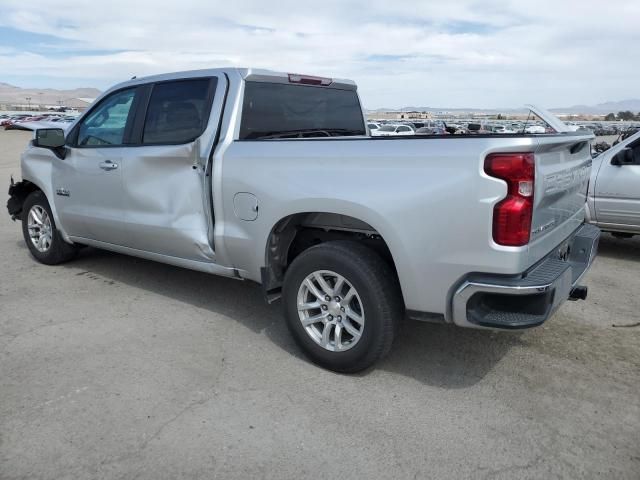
{"type": "Point", "coordinates": [529, 299]}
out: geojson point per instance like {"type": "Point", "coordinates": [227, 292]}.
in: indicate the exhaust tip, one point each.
{"type": "Point", "coordinates": [579, 293]}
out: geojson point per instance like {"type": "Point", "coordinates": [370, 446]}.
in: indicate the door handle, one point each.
{"type": "Point", "coordinates": [108, 165]}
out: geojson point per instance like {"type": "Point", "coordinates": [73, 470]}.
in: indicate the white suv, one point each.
{"type": "Point", "coordinates": [393, 130]}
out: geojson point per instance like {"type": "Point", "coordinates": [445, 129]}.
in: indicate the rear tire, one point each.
{"type": "Point", "coordinates": [40, 233]}
{"type": "Point", "coordinates": [342, 305]}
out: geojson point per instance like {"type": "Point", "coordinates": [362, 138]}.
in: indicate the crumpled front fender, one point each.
{"type": "Point", "coordinates": [18, 192]}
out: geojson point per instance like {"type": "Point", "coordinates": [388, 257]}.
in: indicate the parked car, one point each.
{"type": "Point", "coordinates": [373, 126]}
{"type": "Point", "coordinates": [63, 123]}
{"type": "Point", "coordinates": [535, 129]}
{"type": "Point", "coordinates": [605, 130]}
{"type": "Point", "coordinates": [614, 190]}
{"type": "Point", "coordinates": [431, 131]}
{"type": "Point", "coordinates": [393, 130]}
{"type": "Point", "coordinates": [502, 129]}
{"type": "Point", "coordinates": [13, 119]}
{"type": "Point", "coordinates": [270, 177]}
{"type": "Point", "coordinates": [450, 128]}
{"type": "Point", "coordinates": [476, 129]}
{"type": "Point", "coordinates": [573, 126]}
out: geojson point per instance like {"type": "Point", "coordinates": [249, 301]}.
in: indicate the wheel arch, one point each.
{"type": "Point", "coordinates": [35, 185]}
{"type": "Point", "coordinates": [37, 168]}
{"type": "Point", "coordinates": [294, 233]}
{"type": "Point", "coordinates": [18, 193]}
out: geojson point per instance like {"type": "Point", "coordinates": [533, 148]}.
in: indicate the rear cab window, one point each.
{"type": "Point", "coordinates": [276, 110]}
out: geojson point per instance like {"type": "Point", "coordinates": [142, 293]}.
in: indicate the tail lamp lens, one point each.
{"type": "Point", "coordinates": [512, 216]}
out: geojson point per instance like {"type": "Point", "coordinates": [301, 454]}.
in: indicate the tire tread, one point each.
{"type": "Point", "coordinates": [383, 285]}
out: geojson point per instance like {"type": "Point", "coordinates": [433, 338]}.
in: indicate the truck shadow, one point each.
{"type": "Point", "coordinates": [437, 355]}
{"type": "Point", "coordinates": [447, 356]}
{"type": "Point", "coordinates": [619, 248]}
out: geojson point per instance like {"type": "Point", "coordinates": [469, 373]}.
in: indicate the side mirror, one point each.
{"type": "Point", "coordinates": [51, 138]}
{"type": "Point", "coordinates": [623, 157]}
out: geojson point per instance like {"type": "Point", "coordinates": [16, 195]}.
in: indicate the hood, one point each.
{"type": "Point", "coordinates": [553, 121]}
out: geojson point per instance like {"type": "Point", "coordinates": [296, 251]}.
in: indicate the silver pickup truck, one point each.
{"type": "Point", "coordinates": [272, 177]}
{"type": "Point", "coordinates": [614, 191]}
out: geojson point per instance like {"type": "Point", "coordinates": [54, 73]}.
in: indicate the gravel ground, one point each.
{"type": "Point", "coordinates": [114, 367]}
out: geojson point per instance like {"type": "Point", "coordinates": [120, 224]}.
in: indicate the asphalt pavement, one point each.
{"type": "Point", "coordinates": [113, 367]}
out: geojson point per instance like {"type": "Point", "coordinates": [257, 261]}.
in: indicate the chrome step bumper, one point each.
{"type": "Point", "coordinates": [529, 299]}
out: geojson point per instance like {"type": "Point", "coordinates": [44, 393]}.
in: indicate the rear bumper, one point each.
{"type": "Point", "coordinates": [529, 299]}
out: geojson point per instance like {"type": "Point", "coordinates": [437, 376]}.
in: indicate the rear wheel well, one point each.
{"type": "Point", "coordinates": [296, 233]}
{"type": "Point", "coordinates": [18, 193]}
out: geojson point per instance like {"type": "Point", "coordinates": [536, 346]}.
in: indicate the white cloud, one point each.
{"type": "Point", "coordinates": [467, 53]}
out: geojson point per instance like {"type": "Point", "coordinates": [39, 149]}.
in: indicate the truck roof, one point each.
{"type": "Point", "coordinates": [247, 74]}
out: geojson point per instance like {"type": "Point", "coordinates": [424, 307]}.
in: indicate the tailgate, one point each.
{"type": "Point", "coordinates": [563, 167]}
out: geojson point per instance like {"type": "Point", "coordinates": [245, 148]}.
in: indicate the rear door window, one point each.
{"type": "Point", "coordinates": [178, 111]}
{"type": "Point", "coordinates": [276, 110]}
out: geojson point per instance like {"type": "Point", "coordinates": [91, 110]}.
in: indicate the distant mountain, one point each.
{"type": "Point", "coordinates": [45, 96]}
{"type": "Point", "coordinates": [448, 109]}
{"type": "Point", "coordinates": [632, 105]}
{"type": "Point", "coordinates": [601, 108]}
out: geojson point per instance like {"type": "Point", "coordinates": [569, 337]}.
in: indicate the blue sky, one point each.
{"type": "Point", "coordinates": [468, 53]}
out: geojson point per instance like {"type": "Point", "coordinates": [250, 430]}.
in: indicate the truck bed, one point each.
{"type": "Point", "coordinates": [421, 194]}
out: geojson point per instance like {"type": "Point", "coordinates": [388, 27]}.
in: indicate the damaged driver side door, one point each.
{"type": "Point", "coordinates": [165, 186]}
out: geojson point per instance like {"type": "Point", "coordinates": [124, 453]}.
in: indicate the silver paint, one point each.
{"type": "Point", "coordinates": [614, 192]}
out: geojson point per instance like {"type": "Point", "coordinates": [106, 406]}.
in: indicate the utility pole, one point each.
{"type": "Point", "coordinates": [28, 102]}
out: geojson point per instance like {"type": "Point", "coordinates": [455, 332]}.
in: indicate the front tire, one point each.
{"type": "Point", "coordinates": [40, 233]}
{"type": "Point", "coordinates": [342, 305]}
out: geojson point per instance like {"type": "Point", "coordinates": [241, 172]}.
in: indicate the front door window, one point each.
{"type": "Point", "coordinates": [107, 124]}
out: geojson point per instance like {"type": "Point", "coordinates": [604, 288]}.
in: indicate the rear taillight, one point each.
{"type": "Point", "coordinates": [512, 216]}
